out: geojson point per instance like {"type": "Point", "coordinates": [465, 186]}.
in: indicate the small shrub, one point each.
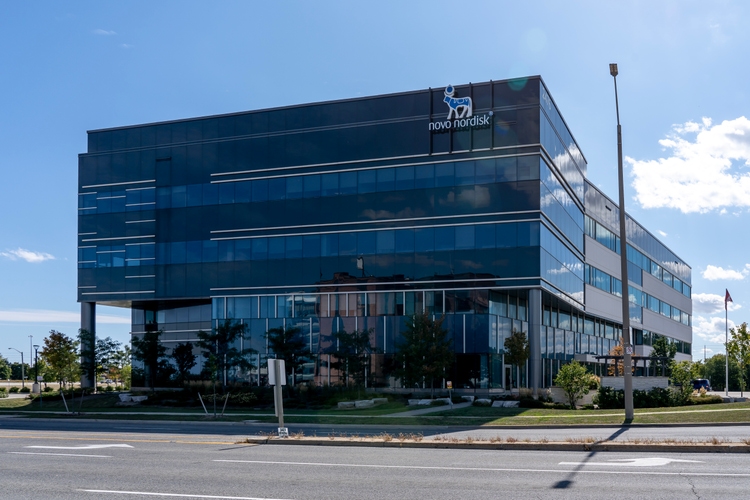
{"type": "Point", "coordinates": [14, 389]}
{"type": "Point", "coordinates": [109, 388]}
{"type": "Point", "coordinates": [531, 403]}
{"type": "Point", "coordinates": [48, 389]}
{"type": "Point", "coordinates": [481, 403]}
{"type": "Point", "coordinates": [706, 400]}
{"type": "Point", "coordinates": [3, 392]}
{"type": "Point", "coordinates": [609, 398]}
{"type": "Point", "coordinates": [438, 402]}
{"type": "Point", "coordinates": [25, 390]}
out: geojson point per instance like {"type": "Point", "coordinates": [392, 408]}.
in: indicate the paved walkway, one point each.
{"type": "Point", "coordinates": [428, 409]}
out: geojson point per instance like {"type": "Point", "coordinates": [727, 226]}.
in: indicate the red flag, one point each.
{"type": "Point", "coordinates": [727, 298]}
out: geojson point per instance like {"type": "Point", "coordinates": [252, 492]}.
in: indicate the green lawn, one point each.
{"type": "Point", "coordinates": [387, 414]}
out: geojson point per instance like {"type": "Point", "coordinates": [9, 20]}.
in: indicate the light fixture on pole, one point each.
{"type": "Point", "coordinates": [627, 348]}
{"type": "Point", "coordinates": [23, 378]}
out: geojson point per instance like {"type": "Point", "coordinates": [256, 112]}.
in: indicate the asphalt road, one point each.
{"type": "Point", "coordinates": [71, 465]}
{"type": "Point", "coordinates": [239, 431]}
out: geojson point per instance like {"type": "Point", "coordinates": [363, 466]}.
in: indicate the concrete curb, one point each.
{"type": "Point", "coordinates": [529, 446]}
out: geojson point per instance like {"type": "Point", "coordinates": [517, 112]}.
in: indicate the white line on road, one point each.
{"type": "Point", "coordinates": [57, 454]}
{"type": "Point", "coordinates": [485, 469]}
{"type": "Point", "coordinates": [636, 462]}
{"type": "Point", "coordinates": [178, 495]}
{"type": "Point", "coordinates": [84, 447]}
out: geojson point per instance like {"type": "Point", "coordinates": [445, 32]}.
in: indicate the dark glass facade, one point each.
{"type": "Point", "coordinates": [264, 216]}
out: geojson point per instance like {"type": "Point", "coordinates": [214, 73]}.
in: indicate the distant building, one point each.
{"type": "Point", "coordinates": [470, 202]}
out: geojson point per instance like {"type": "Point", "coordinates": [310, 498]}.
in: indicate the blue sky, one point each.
{"type": "Point", "coordinates": [66, 68]}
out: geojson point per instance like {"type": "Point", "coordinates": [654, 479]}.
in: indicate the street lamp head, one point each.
{"type": "Point", "coordinates": [36, 346]}
{"type": "Point", "coordinates": [613, 69]}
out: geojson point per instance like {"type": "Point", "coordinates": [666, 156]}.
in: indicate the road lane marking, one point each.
{"type": "Point", "coordinates": [635, 462]}
{"type": "Point", "coordinates": [84, 447]}
{"type": "Point", "coordinates": [174, 441]}
{"type": "Point", "coordinates": [177, 495]}
{"type": "Point", "coordinates": [57, 454]}
{"type": "Point", "coordinates": [484, 469]}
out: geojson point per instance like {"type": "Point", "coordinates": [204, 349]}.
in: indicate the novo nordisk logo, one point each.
{"type": "Point", "coordinates": [460, 112]}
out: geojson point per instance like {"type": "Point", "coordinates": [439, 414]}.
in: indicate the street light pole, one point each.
{"type": "Point", "coordinates": [36, 372]}
{"type": "Point", "coordinates": [23, 378]}
{"type": "Point", "coordinates": [627, 347]}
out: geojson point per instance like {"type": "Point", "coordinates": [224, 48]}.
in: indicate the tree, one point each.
{"type": "Point", "coordinates": [353, 351]}
{"type": "Point", "coordinates": [120, 364]}
{"type": "Point", "coordinates": [20, 372]}
{"type": "Point", "coordinates": [738, 349]}
{"type": "Point", "coordinates": [97, 360]}
{"type": "Point", "coordinates": [662, 347]}
{"type": "Point", "coordinates": [288, 344]}
{"type": "Point", "coordinates": [184, 359]}
{"type": "Point", "coordinates": [574, 380]}
{"type": "Point", "coordinates": [219, 348]}
{"type": "Point", "coordinates": [60, 353]}
{"type": "Point", "coordinates": [715, 371]}
{"type": "Point", "coordinates": [516, 350]}
{"type": "Point", "coordinates": [152, 354]}
{"type": "Point", "coordinates": [5, 370]}
{"type": "Point", "coordinates": [424, 353]}
{"type": "Point", "coordinates": [682, 381]}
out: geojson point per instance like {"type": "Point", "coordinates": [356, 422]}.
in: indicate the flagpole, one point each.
{"type": "Point", "coordinates": [726, 346]}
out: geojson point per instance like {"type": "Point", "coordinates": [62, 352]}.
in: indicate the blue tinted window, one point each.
{"type": "Point", "coordinates": [424, 176]}
{"type": "Point", "coordinates": [178, 196]}
{"type": "Point", "coordinates": [194, 195]}
{"type": "Point", "coordinates": [484, 235]}
{"type": "Point", "coordinates": [312, 186]}
{"type": "Point", "coordinates": [276, 189]}
{"type": "Point", "coordinates": [405, 178]}
{"type": "Point", "coordinates": [276, 248]}
{"type": "Point", "coordinates": [444, 238]}
{"type": "Point", "coordinates": [210, 194]}
{"type": "Point", "coordinates": [294, 187]}
{"type": "Point", "coordinates": [366, 242]}
{"type": "Point", "coordinates": [330, 184]}
{"type": "Point", "coordinates": [226, 251]}
{"type": "Point", "coordinates": [424, 240]}
{"type": "Point", "coordinates": [444, 175]}
{"type": "Point", "coordinates": [485, 171]}
{"type": "Point", "coordinates": [243, 192]}
{"type": "Point", "coordinates": [260, 190]}
{"type": "Point", "coordinates": [311, 246]}
{"type": "Point", "coordinates": [367, 182]}
{"type": "Point", "coordinates": [386, 178]}
{"type": "Point", "coordinates": [260, 249]}
{"type": "Point", "coordinates": [243, 250]}
{"type": "Point", "coordinates": [464, 237]}
{"type": "Point", "coordinates": [293, 247]}
{"type": "Point", "coordinates": [465, 173]}
{"type": "Point", "coordinates": [405, 241]}
{"type": "Point", "coordinates": [177, 252]}
{"type": "Point", "coordinates": [348, 182]}
{"type": "Point", "coordinates": [348, 244]}
{"type": "Point", "coordinates": [194, 252]}
{"type": "Point", "coordinates": [386, 242]}
{"type": "Point", "coordinates": [226, 193]}
{"type": "Point", "coordinates": [329, 245]}
{"type": "Point", "coordinates": [507, 235]}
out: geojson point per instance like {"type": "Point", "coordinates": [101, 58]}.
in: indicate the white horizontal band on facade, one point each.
{"type": "Point", "coordinates": [377, 167]}
{"type": "Point", "coordinates": [110, 197]}
{"type": "Point", "coordinates": [122, 238]}
{"type": "Point", "coordinates": [142, 276]}
{"type": "Point", "coordinates": [117, 293]}
{"type": "Point", "coordinates": [319, 285]}
{"type": "Point", "coordinates": [140, 189]}
{"type": "Point", "coordinates": [139, 221]}
{"type": "Point", "coordinates": [87, 208]}
{"type": "Point", "coordinates": [382, 221]}
{"type": "Point", "coordinates": [117, 184]}
{"type": "Point", "coordinates": [112, 251]}
{"type": "Point", "coordinates": [144, 258]}
{"type": "Point", "coordinates": [140, 243]}
{"type": "Point", "coordinates": [136, 204]}
{"type": "Point", "coordinates": [88, 286]}
{"type": "Point", "coordinates": [86, 234]}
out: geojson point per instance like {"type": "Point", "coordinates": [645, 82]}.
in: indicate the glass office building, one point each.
{"type": "Point", "coordinates": [469, 202]}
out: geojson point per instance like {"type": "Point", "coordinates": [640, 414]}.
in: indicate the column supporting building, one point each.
{"type": "Point", "coordinates": [535, 348]}
{"type": "Point", "coordinates": [88, 323]}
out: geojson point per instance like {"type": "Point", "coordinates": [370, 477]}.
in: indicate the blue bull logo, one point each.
{"type": "Point", "coordinates": [460, 107]}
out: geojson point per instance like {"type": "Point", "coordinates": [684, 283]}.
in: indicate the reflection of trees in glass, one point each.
{"type": "Point", "coordinates": [184, 360]}
{"type": "Point", "coordinates": [517, 350]}
{"type": "Point", "coordinates": [148, 350]}
{"type": "Point", "coordinates": [424, 354]}
{"type": "Point", "coordinates": [289, 345]}
{"type": "Point", "coordinates": [353, 351]}
{"type": "Point", "coordinates": [219, 350]}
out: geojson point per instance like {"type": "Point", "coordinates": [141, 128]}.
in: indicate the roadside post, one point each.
{"type": "Point", "coordinates": [449, 385]}
{"type": "Point", "coordinates": [277, 378]}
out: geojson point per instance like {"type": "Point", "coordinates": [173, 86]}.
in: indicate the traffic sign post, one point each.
{"type": "Point", "coordinates": [277, 378]}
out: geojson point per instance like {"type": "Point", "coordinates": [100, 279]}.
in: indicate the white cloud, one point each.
{"type": "Point", "coordinates": [126, 46]}
{"type": "Point", "coordinates": [710, 303]}
{"type": "Point", "coordinates": [697, 176]}
{"type": "Point", "coordinates": [104, 32]}
{"type": "Point", "coordinates": [27, 255]}
{"type": "Point", "coordinates": [714, 273]}
{"type": "Point", "coordinates": [662, 233]}
{"type": "Point", "coordinates": [47, 316]}
{"type": "Point", "coordinates": [711, 330]}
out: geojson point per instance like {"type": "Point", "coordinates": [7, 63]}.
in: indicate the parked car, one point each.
{"type": "Point", "coordinates": [701, 383]}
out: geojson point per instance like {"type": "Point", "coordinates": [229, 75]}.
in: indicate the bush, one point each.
{"type": "Point", "coordinates": [706, 400]}
{"type": "Point", "coordinates": [531, 403]}
{"type": "Point", "coordinates": [609, 398]}
{"type": "Point", "coordinates": [3, 392]}
{"type": "Point", "coordinates": [25, 389]}
{"type": "Point", "coordinates": [109, 389]}
{"type": "Point", "coordinates": [14, 389]}
{"type": "Point", "coordinates": [438, 402]}
{"type": "Point", "coordinates": [48, 389]}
